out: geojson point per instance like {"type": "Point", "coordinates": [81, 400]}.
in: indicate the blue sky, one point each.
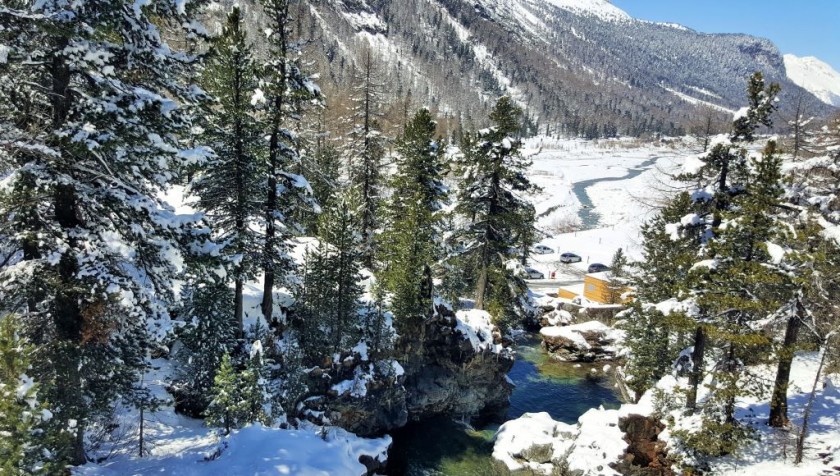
{"type": "Point", "coordinates": [801, 27]}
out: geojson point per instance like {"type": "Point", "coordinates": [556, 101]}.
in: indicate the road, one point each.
{"type": "Point", "coordinates": [551, 285]}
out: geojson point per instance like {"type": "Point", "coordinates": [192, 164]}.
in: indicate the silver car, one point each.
{"type": "Point", "coordinates": [569, 258]}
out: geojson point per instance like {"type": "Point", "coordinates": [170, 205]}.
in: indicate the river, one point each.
{"type": "Point", "coordinates": [589, 218]}
{"type": "Point", "coordinates": [543, 384]}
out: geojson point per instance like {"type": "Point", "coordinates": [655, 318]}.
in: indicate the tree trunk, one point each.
{"type": "Point", "coordinates": [481, 287]}
{"type": "Point", "coordinates": [778, 403]}
{"type": "Point", "coordinates": [800, 441]}
{"type": "Point", "coordinates": [238, 308]}
{"type": "Point", "coordinates": [696, 375]}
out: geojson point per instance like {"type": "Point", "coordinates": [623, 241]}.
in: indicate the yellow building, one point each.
{"type": "Point", "coordinates": [596, 287]}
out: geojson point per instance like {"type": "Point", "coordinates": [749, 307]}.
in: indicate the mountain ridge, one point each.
{"type": "Point", "coordinates": [579, 68]}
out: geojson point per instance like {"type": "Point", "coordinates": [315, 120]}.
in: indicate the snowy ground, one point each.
{"type": "Point", "coordinates": [620, 204]}
{"type": "Point", "coordinates": [596, 441]}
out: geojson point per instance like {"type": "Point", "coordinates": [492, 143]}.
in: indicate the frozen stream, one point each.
{"type": "Point", "coordinates": [589, 218]}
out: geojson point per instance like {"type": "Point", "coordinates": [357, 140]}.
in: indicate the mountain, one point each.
{"type": "Point", "coordinates": [578, 67]}
{"type": "Point", "coordinates": [819, 78]}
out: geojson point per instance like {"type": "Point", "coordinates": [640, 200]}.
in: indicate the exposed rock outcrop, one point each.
{"type": "Point", "coordinates": [357, 395]}
{"type": "Point", "coordinates": [456, 365]}
{"type": "Point", "coordinates": [645, 454]}
{"type": "Point", "coordinates": [450, 366]}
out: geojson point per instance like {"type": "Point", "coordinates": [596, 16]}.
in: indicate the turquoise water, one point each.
{"type": "Point", "coordinates": [443, 447]}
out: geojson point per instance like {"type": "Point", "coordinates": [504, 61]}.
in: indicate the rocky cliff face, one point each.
{"type": "Point", "coordinates": [449, 370]}
{"type": "Point", "coordinates": [448, 374]}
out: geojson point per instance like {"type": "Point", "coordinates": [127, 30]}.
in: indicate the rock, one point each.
{"type": "Point", "coordinates": [645, 453]}
{"type": "Point", "coordinates": [585, 342]}
{"type": "Point", "coordinates": [556, 317]}
{"type": "Point", "coordinates": [373, 465]}
{"type": "Point", "coordinates": [447, 375]}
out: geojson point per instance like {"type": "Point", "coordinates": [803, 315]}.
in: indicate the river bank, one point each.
{"type": "Point", "coordinates": [564, 390]}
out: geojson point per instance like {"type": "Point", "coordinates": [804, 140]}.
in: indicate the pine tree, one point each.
{"type": "Point", "coordinates": [742, 284]}
{"type": "Point", "coordinates": [229, 184]}
{"type": "Point", "coordinates": [492, 200]}
{"type": "Point", "coordinates": [367, 151]}
{"type": "Point", "coordinates": [252, 386]}
{"type": "Point", "coordinates": [225, 392]}
{"type": "Point", "coordinates": [282, 85]}
{"type": "Point", "coordinates": [810, 259]}
{"type": "Point", "coordinates": [22, 416]}
{"type": "Point", "coordinates": [721, 178]}
{"type": "Point", "coordinates": [653, 336]}
{"type": "Point", "coordinates": [617, 277]}
{"type": "Point", "coordinates": [94, 111]}
{"type": "Point", "coordinates": [412, 244]}
{"type": "Point", "coordinates": [208, 335]}
{"type": "Point", "coordinates": [328, 302]}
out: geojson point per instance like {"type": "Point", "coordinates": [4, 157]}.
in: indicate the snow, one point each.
{"type": "Point", "coordinates": [477, 327]}
{"type": "Point", "coordinates": [567, 333]}
{"type": "Point", "coordinates": [777, 253]}
{"type": "Point", "coordinates": [601, 9]}
{"type": "Point", "coordinates": [740, 113]}
{"type": "Point", "coordinates": [574, 333]}
{"type": "Point", "coordinates": [635, 177]}
{"type": "Point", "coordinates": [362, 349]}
{"type": "Point", "coordinates": [688, 307]}
{"type": "Point", "coordinates": [254, 450]}
{"type": "Point", "coordinates": [516, 437]}
{"type": "Point", "coordinates": [816, 76]}
{"type": "Point", "coordinates": [697, 102]}
{"type": "Point", "coordinates": [357, 386]}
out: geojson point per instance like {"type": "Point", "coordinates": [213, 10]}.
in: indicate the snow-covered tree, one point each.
{"type": "Point", "coordinates": [491, 199]}
{"type": "Point", "coordinates": [94, 111]}
{"type": "Point", "coordinates": [722, 177]}
{"type": "Point", "coordinates": [283, 84]}
{"type": "Point", "coordinates": [412, 243]}
{"type": "Point", "coordinates": [228, 186]}
{"type": "Point", "coordinates": [208, 334]}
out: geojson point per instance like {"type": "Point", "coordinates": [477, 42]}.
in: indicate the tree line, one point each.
{"type": "Point", "coordinates": [290, 251]}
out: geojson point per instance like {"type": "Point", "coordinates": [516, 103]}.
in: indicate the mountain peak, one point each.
{"type": "Point", "coordinates": [816, 76]}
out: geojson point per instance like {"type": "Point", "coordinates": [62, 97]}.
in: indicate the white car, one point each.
{"type": "Point", "coordinates": [542, 250]}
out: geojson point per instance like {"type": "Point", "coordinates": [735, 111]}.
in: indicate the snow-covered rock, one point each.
{"type": "Point", "coordinates": [477, 327]}
{"type": "Point", "coordinates": [587, 341]}
{"type": "Point", "coordinates": [532, 442]}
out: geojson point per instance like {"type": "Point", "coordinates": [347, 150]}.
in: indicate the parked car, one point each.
{"type": "Point", "coordinates": [569, 258]}
{"type": "Point", "coordinates": [531, 273]}
{"type": "Point", "coordinates": [597, 268]}
{"type": "Point", "coordinates": [542, 250]}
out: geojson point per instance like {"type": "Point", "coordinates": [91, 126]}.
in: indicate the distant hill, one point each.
{"type": "Point", "coordinates": [579, 67]}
